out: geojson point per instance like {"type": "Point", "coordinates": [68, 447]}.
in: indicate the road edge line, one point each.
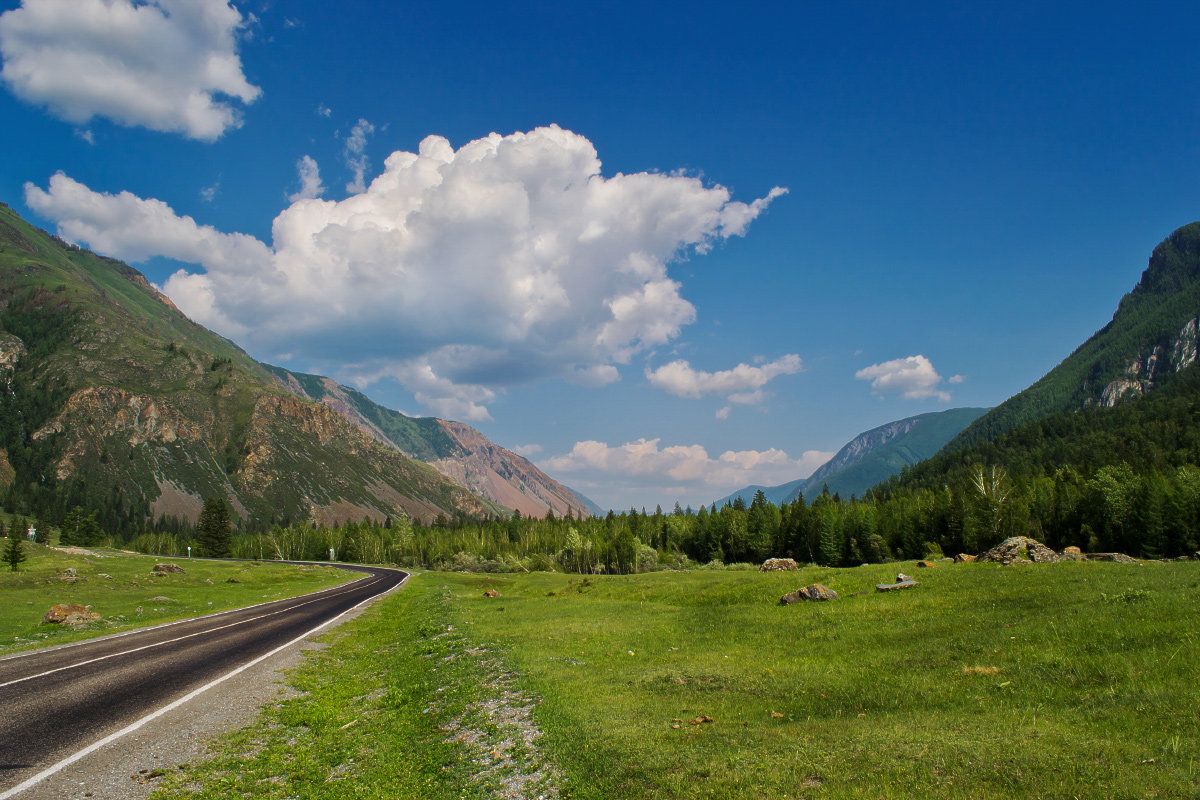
{"type": "Point", "coordinates": [29, 783]}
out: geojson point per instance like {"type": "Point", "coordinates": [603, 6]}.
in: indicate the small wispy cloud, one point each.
{"type": "Point", "coordinates": [209, 193]}
{"type": "Point", "coordinates": [913, 378]}
{"type": "Point", "coordinates": [356, 157]}
{"type": "Point", "coordinates": [310, 180]}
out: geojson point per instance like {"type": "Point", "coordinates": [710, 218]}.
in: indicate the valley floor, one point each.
{"type": "Point", "coordinates": [1058, 680]}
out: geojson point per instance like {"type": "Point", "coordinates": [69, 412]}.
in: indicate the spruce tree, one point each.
{"type": "Point", "coordinates": [214, 532]}
{"type": "Point", "coordinates": [14, 548]}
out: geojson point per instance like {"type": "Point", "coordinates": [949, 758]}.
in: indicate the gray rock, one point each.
{"type": "Point", "coordinates": [163, 569]}
{"type": "Point", "coordinates": [814, 591]}
{"type": "Point", "coordinates": [778, 565]}
{"type": "Point", "coordinates": [1119, 558]}
{"type": "Point", "coordinates": [902, 578]}
{"type": "Point", "coordinates": [887, 587]}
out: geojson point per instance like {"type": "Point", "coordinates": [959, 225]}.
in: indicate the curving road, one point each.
{"type": "Point", "coordinates": [60, 701]}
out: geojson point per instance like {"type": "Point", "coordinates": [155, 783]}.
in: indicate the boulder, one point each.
{"type": "Point", "coordinates": [491, 593]}
{"type": "Point", "coordinates": [1119, 558]}
{"type": "Point", "coordinates": [1020, 549]}
{"type": "Point", "coordinates": [887, 587]}
{"type": "Point", "coordinates": [69, 614]}
{"type": "Point", "coordinates": [778, 564]}
{"type": "Point", "coordinates": [902, 578]}
{"type": "Point", "coordinates": [813, 591]}
{"type": "Point", "coordinates": [163, 569]}
{"type": "Point", "coordinates": [964, 558]}
{"type": "Point", "coordinates": [925, 564]}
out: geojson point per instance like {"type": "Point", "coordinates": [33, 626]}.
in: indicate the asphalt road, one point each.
{"type": "Point", "coordinates": [55, 702]}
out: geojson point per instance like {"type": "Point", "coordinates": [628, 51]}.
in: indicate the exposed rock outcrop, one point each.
{"type": "Point", "coordinates": [778, 565]}
{"type": "Point", "coordinates": [1020, 549]}
{"type": "Point", "coordinates": [69, 614]}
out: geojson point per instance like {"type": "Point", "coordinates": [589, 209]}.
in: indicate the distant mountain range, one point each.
{"type": "Point", "coordinates": [116, 401]}
{"type": "Point", "coordinates": [458, 451]}
{"type": "Point", "coordinates": [871, 457]}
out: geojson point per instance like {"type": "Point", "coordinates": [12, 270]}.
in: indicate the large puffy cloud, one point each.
{"type": "Point", "coordinates": [167, 65]}
{"type": "Point", "coordinates": [913, 378]}
{"type": "Point", "coordinates": [678, 471]}
{"type": "Point", "coordinates": [460, 272]}
{"type": "Point", "coordinates": [742, 384]}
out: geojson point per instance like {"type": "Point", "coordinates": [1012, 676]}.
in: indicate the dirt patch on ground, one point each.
{"type": "Point", "coordinates": [173, 501]}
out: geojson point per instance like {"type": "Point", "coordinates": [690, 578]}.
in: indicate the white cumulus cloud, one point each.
{"type": "Point", "coordinates": [680, 470]}
{"type": "Point", "coordinates": [913, 378]}
{"type": "Point", "coordinates": [310, 180]}
{"type": "Point", "coordinates": [167, 65]}
{"type": "Point", "coordinates": [456, 272]}
{"type": "Point", "coordinates": [742, 384]}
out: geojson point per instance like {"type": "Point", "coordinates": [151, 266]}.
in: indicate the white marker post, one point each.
{"type": "Point", "coordinates": [189, 551]}
{"type": "Point", "coordinates": [32, 533]}
{"type": "Point", "coordinates": [331, 558]}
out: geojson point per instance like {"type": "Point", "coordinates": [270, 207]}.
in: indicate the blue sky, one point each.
{"type": "Point", "coordinates": [970, 188]}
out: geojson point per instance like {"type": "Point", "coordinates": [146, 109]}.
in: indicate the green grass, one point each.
{"type": "Point", "coordinates": [1074, 679]}
{"type": "Point", "coordinates": [29, 593]}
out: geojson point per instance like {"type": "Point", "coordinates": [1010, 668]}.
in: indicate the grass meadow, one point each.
{"type": "Point", "coordinates": [28, 593]}
{"type": "Point", "coordinates": [1060, 680]}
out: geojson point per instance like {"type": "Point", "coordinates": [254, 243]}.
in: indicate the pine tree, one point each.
{"type": "Point", "coordinates": [14, 548]}
{"type": "Point", "coordinates": [214, 531]}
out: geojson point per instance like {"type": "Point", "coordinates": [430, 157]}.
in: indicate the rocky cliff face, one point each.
{"type": "Point", "coordinates": [1151, 365]}
{"type": "Point", "coordinates": [863, 444]}
{"type": "Point", "coordinates": [505, 477]}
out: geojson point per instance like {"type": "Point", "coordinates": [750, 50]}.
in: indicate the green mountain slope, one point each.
{"type": "Point", "coordinates": [116, 401]}
{"type": "Point", "coordinates": [872, 457]}
{"type": "Point", "coordinates": [1152, 334]}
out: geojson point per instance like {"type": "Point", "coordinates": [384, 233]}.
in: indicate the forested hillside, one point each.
{"type": "Point", "coordinates": [115, 402]}
{"type": "Point", "coordinates": [1152, 334]}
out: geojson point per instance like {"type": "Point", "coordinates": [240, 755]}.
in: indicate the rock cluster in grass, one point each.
{"type": "Point", "coordinates": [1020, 549]}
{"type": "Point", "coordinates": [69, 614]}
{"type": "Point", "coordinates": [964, 558]}
{"type": "Point", "coordinates": [778, 565]}
{"type": "Point", "coordinates": [814, 591]}
{"type": "Point", "coordinates": [491, 593]}
{"type": "Point", "coordinates": [163, 569]}
{"type": "Point", "coordinates": [925, 564]}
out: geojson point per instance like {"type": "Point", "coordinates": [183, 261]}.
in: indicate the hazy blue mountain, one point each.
{"type": "Point", "coordinates": [872, 457]}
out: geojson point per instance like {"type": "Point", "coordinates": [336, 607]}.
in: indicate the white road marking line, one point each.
{"type": "Point", "coordinates": [42, 650]}
{"type": "Point", "coordinates": [112, 737]}
{"type": "Point", "coordinates": [164, 642]}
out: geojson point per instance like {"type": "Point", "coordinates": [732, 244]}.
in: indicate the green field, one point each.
{"type": "Point", "coordinates": [29, 593]}
{"type": "Point", "coordinates": [1063, 680]}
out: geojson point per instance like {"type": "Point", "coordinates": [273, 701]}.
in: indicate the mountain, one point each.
{"type": "Point", "coordinates": [114, 400]}
{"type": "Point", "coordinates": [872, 457]}
{"type": "Point", "coordinates": [1126, 399]}
{"type": "Point", "coordinates": [1152, 334]}
{"type": "Point", "coordinates": [457, 451]}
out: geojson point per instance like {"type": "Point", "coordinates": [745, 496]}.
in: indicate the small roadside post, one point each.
{"type": "Point", "coordinates": [189, 551]}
